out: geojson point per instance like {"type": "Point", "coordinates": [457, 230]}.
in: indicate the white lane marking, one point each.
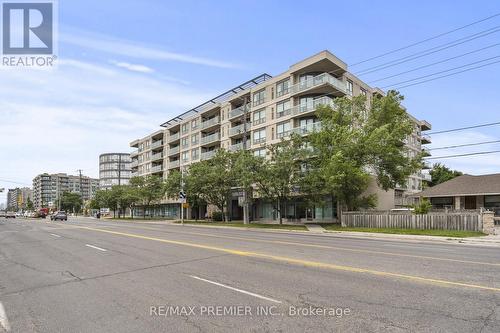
{"type": "Point", "coordinates": [418, 247]}
{"type": "Point", "coordinates": [236, 289]}
{"type": "Point", "coordinates": [4, 322]}
{"type": "Point", "coordinates": [55, 235]}
{"type": "Point", "coordinates": [95, 247]}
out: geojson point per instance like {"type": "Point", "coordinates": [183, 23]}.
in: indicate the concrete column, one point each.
{"type": "Point", "coordinates": [488, 222]}
{"type": "Point", "coordinates": [457, 203]}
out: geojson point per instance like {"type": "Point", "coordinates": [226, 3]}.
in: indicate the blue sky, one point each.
{"type": "Point", "coordinates": [128, 65]}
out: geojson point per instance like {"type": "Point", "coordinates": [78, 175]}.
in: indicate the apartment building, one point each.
{"type": "Point", "coordinates": [17, 198]}
{"type": "Point", "coordinates": [114, 169]}
{"type": "Point", "coordinates": [267, 109]}
{"type": "Point", "coordinates": [48, 188]}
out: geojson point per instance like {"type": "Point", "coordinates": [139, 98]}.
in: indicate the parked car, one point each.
{"type": "Point", "coordinates": [2, 214]}
{"type": "Point", "coordinates": [19, 214]}
{"type": "Point", "coordinates": [10, 215]}
{"type": "Point", "coordinates": [59, 216]}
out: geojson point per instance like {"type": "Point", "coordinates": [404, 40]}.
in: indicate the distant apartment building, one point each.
{"type": "Point", "coordinates": [17, 198]}
{"type": "Point", "coordinates": [114, 169]}
{"type": "Point", "coordinates": [270, 109]}
{"type": "Point", "coordinates": [48, 188]}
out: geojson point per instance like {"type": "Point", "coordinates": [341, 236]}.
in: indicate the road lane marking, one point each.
{"type": "Point", "coordinates": [95, 247]}
{"type": "Point", "coordinates": [55, 235]}
{"type": "Point", "coordinates": [300, 262]}
{"type": "Point", "coordinates": [4, 322]}
{"type": "Point", "coordinates": [236, 289]}
{"type": "Point", "coordinates": [337, 247]}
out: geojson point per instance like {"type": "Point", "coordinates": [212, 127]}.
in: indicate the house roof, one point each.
{"type": "Point", "coordinates": [465, 185]}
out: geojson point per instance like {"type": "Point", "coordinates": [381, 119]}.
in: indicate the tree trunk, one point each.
{"type": "Point", "coordinates": [279, 212]}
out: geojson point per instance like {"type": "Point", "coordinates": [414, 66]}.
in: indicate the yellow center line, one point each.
{"type": "Point", "coordinates": [302, 262]}
{"type": "Point", "coordinates": [329, 247]}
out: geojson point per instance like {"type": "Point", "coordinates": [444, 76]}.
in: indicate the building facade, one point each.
{"type": "Point", "coordinates": [114, 169]}
{"type": "Point", "coordinates": [17, 198]}
{"type": "Point", "coordinates": [48, 188]}
{"type": "Point", "coordinates": [268, 109]}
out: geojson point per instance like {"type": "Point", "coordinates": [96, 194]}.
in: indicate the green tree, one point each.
{"type": "Point", "coordinates": [148, 190]}
{"type": "Point", "coordinates": [356, 143]}
{"type": "Point", "coordinates": [29, 205]}
{"type": "Point", "coordinates": [423, 207]}
{"type": "Point", "coordinates": [212, 180]}
{"type": "Point", "coordinates": [440, 174]}
{"type": "Point", "coordinates": [278, 178]}
{"type": "Point", "coordinates": [70, 201]}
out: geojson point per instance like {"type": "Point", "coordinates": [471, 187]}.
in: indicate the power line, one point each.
{"type": "Point", "coordinates": [466, 145]}
{"type": "Point", "coordinates": [463, 155]}
{"type": "Point", "coordinates": [443, 76]}
{"type": "Point", "coordinates": [426, 40]}
{"type": "Point", "coordinates": [440, 72]}
{"type": "Point", "coordinates": [427, 52]}
{"type": "Point", "coordinates": [464, 128]}
{"type": "Point", "coordinates": [435, 63]}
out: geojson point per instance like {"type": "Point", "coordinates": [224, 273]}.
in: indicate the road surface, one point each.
{"type": "Point", "coordinates": [88, 275]}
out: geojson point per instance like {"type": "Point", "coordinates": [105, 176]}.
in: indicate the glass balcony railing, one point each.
{"type": "Point", "coordinates": [157, 156]}
{"type": "Point", "coordinates": [157, 144]}
{"type": "Point", "coordinates": [303, 130]}
{"type": "Point", "coordinates": [237, 146]}
{"type": "Point", "coordinates": [208, 155]}
{"type": "Point", "coordinates": [157, 168]}
{"type": "Point", "coordinates": [174, 164]}
{"type": "Point", "coordinates": [318, 80]}
{"type": "Point", "coordinates": [238, 111]}
{"type": "Point", "coordinates": [312, 106]}
{"type": "Point", "coordinates": [239, 129]}
{"type": "Point", "coordinates": [174, 137]}
{"type": "Point", "coordinates": [210, 138]}
{"type": "Point", "coordinates": [210, 122]}
{"type": "Point", "coordinates": [173, 151]}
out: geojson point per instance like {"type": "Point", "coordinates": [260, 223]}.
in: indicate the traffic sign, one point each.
{"type": "Point", "coordinates": [182, 195]}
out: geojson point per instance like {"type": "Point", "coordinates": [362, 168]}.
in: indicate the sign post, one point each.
{"type": "Point", "coordinates": [182, 200]}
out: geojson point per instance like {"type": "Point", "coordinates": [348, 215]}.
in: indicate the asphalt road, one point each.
{"type": "Point", "coordinates": [101, 276]}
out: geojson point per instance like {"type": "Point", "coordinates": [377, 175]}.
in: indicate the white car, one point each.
{"type": "Point", "coordinates": [19, 214]}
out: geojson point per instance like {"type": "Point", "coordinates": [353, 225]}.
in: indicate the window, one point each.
{"type": "Point", "coordinates": [349, 87]}
{"type": "Point", "coordinates": [185, 156]}
{"type": "Point", "coordinates": [194, 139]}
{"type": "Point", "coordinates": [363, 92]}
{"type": "Point", "coordinates": [259, 117]}
{"type": "Point", "coordinates": [283, 109]}
{"type": "Point", "coordinates": [283, 129]}
{"type": "Point", "coordinates": [195, 154]}
{"type": "Point", "coordinates": [194, 124]}
{"type": "Point", "coordinates": [491, 201]}
{"type": "Point", "coordinates": [282, 88]}
{"type": "Point", "coordinates": [184, 142]}
{"type": "Point", "coordinates": [259, 97]}
{"type": "Point", "coordinates": [259, 136]}
{"type": "Point", "coordinates": [260, 152]}
{"type": "Point", "coordinates": [184, 128]}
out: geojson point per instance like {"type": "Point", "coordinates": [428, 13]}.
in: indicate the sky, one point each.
{"type": "Point", "coordinates": [126, 66]}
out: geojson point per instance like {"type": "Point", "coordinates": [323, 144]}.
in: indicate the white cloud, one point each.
{"type": "Point", "coordinates": [133, 67]}
{"type": "Point", "coordinates": [61, 120]}
{"type": "Point", "coordinates": [126, 48]}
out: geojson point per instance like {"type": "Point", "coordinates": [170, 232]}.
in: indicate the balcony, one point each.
{"type": "Point", "coordinates": [174, 137]}
{"type": "Point", "coordinates": [134, 164]}
{"type": "Point", "coordinates": [237, 146]}
{"type": "Point", "coordinates": [319, 80]}
{"type": "Point", "coordinates": [303, 130]}
{"type": "Point", "coordinates": [173, 164]}
{"type": "Point", "coordinates": [283, 113]}
{"type": "Point", "coordinates": [173, 151]}
{"type": "Point", "coordinates": [134, 153]}
{"type": "Point", "coordinates": [426, 152]}
{"type": "Point", "coordinates": [208, 155]}
{"type": "Point", "coordinates": [238, 111]}
{"type": "Point", "coordinates": [426, 139]}
{"type": "Point", "coordinates": [300, 109]}
{"type": "Point", "coordinates": [238, 129]}
{"type": "Point", "coordinates": [211, 122]}
{"type": "Point", "coordinates": [425, 125]}
{"type": "Point", "coordinates": [157, 156]}
{"type": "Point", "coordinates": [425, 176]}
{"type": "Point", "coordinates": [210, 138]}
{"type": "Point", "coordinates": [426, 165]}
{"type": "Point", "coordinates": [157, 144]}
{"type": "Point", "coordinates": [158, 168]}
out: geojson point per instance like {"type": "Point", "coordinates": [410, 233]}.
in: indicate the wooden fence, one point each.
{"type": "Point", "coordinates": [451, 221]}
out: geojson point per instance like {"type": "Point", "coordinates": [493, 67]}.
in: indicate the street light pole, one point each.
{"type": "Point", "coordinates": [246, 219]}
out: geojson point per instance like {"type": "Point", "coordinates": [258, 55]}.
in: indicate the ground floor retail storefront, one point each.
{"type": "Point", "coordinates": [294, 211]}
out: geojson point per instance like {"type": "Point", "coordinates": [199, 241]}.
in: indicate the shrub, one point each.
{"type": "Point", "coordinates": [423, 207]}
{"type": "Point", "coordinates": [217, 216]}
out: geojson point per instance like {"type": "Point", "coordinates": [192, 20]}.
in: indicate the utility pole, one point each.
{"type": "Point", "coordinates": [182, 196]}
{"type": "Point", "coordinates": [119, 169]}
{"type": "Point", "coordinates": [81, 184]}
{"type": "Point", "coordinates": [246, 219]}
